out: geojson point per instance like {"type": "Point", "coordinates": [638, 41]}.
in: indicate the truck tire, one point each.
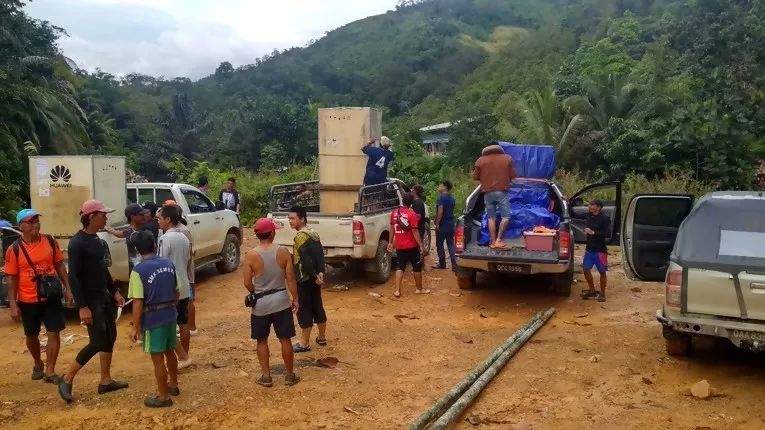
{"type": "Point", "coordinates": [560, 283]}
{"type": "Point", "coordinates": [466, 278]}
{"type": "Point", "coordinates": [678, 344]}
{"type": "Point", "coordinates": [230, 255]}
{"type": "Point", "coordinates": [382, 264]}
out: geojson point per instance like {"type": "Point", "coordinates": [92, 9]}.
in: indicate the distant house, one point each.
{"type": "Point", "coordinates": [435, 137]}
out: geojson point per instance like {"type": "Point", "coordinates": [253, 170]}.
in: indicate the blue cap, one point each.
{"type": "Point", "coordinates": [24, 214]}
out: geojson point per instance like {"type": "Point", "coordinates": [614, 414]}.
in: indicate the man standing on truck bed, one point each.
{"type": "Point", "coordinates": [597, 228]}
{"type": "Point", "coordinates": [378, 162]}
{"type": "Point", "coordinates": [407, 243]}
{"type": "Point", "coordinates": [96, 296]}
{"type": "Point", "coordinates": [309, 267]}
{"type": "Point", "coordinates": [230, 196]}
{"type": "Point", "coordinates": [495, 170]}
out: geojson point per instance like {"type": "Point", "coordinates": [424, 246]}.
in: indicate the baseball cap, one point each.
{"type": "Point", "coordinates": [385, 141]}
{"type": "Point", "coordinates": [26, 214]}
{"type": "Point", "coordinates": [265, 225]}
{"type": "Point", "coordinates": [134, 209]}
{"type": "Point", "coordinates": [94, 206]}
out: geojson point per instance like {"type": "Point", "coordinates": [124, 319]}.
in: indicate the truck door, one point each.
{"type": "Point", "coordinates": [649, 232]}
{"type": "Point", "coordinates": [611, 195]}
{"type": "Point", "coordinates": [203, 224]}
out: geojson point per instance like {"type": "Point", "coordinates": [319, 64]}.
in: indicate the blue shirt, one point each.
{"type": "Point", "coordinates": [446, 201]}
{"type": "Point", "coordinates": [377, 165]}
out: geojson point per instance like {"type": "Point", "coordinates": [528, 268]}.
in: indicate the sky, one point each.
{"type": "Point", "coordinates": [190, 38]}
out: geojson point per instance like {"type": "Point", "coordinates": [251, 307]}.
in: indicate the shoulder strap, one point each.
{"type": "Point", "coordinates": [29, 260]}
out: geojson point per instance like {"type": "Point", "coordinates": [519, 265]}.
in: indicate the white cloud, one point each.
{"type": "Point", "coordinates": [190, 37]}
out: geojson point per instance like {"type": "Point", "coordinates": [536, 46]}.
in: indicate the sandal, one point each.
{"type": "Point", "coordinates": [265, 381]}
{"type": "Point", "coordinates": [300, 348]}
{"type": "Point", "coordinates": [422, 291]}
{"type": "Point", "coordinates": [174, 391]}
{"type": "Point", "coordinates": [52, 379]}
{"type": "Point", "coordinates": [111, 386]}
{"type": "Point", "coordinates": [291, 379]}
{"type": "Point", "coordinates": [500, 245]}
{"type": "Point", "coordinates": [321, 341]}
{"type": "Point", "coordinates": [397, 294]}
{"type": "Point", "coordinates": [37, 373]}
{"type": "Point", "coordinates": [155, 402]}
{"type": "Point", "coordinates": [587, 294]}
{"type": "Point", "coordinates": [601, 297]}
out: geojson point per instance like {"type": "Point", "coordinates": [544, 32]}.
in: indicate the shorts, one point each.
{"type": "Point", "coordinates": [310, 305]}
{"type": "Point", "coordinates": [33, 315]}
{"type": "Point", "coordinates": [497, 201]}
{"type": "Point", "coordinates": [597, 259]}
{"type": "Point", "coordinates": [159, 339]}
{"type": "Point", "coordinates": [183, 312]}
{"type": "Point", "coordinates": [405, 257]}
{"type": "Point", "coordinates": [284, 325]}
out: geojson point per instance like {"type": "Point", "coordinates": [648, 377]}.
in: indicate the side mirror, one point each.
{"type": "Point", "coordinates": [219, 206]}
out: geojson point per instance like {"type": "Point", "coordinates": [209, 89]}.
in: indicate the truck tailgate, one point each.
{"type": "Point", "coordinates": [334, 231]}
{"type": "Point", "coordinates": [516, 253]}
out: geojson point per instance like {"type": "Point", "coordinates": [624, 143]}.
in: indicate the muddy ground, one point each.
{"type": "Point", "coordinates": [592, 366]}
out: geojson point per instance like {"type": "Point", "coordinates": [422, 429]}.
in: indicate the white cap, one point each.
{"type": "Point", "coordinates": [385, 141]}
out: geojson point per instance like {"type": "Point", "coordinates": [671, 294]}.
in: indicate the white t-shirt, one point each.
{"type": "Point", "coordinates": [175, 246]}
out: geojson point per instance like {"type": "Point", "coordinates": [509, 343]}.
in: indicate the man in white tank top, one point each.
{"type": "Point", "coordinates": [268, 273]}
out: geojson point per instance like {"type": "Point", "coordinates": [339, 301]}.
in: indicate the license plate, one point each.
{"type": "Point", "coordinates": [521, 269]}
{"type": "Point", "coordinates": [749, 335]}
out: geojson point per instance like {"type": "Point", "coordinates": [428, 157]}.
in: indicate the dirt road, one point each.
{"type": "Point", "coordinates": [592, 366]}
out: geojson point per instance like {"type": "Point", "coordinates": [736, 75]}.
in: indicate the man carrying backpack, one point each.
{"type": "Point", "coordinates": [37, 281]}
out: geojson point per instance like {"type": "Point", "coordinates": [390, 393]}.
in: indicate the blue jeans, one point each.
{"type": "Point", "coordinates": [497, 202]}
{"type": "Point", "coordinates": [448, 237]}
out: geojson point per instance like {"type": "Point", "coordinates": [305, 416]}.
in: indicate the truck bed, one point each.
{"type": "Point", "coordinates": [515, 253]}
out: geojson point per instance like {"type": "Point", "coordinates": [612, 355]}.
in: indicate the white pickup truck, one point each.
{"type": "Point", "coordinates": [360, 236]}
{"type": "Point", "coordinates": [217, 232]}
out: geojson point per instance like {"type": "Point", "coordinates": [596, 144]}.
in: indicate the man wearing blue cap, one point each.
{"type": "Point", "coordinates": [30, 261]}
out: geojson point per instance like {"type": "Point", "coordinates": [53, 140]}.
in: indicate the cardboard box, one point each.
{"type": "Point", "coordinates": [60, 184]}
{"type": "Point", "coordinates": [338, 200]}
{"type": "Point", "coordinates": [343, 132]}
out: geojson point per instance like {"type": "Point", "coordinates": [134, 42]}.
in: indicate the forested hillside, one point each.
{"type": "Point", "coordinates": [619, 86]}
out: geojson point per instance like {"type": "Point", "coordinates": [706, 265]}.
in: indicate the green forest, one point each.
{"type": "Point", "coordinates": [622, 88]}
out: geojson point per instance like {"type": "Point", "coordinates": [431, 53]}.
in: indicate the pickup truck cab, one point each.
{"type": "Point", "coordinates": [535, 163]}
{"type": "Point", "coordinates": [711, 259]}
{"type": "Point", "coordinates": [360, 236]}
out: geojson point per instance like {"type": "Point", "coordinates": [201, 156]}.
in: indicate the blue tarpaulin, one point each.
{"type": "Point", "coordinates": [531, 161]}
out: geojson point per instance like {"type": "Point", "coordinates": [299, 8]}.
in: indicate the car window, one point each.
{"type": "Point", "coordinates": [742, 243]}
{"type": "Point", "coordinates": [145, 195]}
{"type": "Point", "coordinates": [662, 212]}
{"type": "Point", "coordinates": [198, 202]}
{"type": "Point", "coordinates": [163, 195]}
{"type": "Point", "coordinates": [132, 195]}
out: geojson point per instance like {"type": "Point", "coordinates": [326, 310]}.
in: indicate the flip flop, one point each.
{"type": "Point", "coordinates": [587, 294]}
{"type": "Point", "coordinates": [37, 373]}
{"type": "Point", "coordinates": [321, 341]}
{"type": "Point", "coordinates": [422, 291]}
{"type": "Point", "coordinates": [111, 386]}
{"type": "Point", "coordinates": [265, 382]}
{"type": "Point", "coordinates": [501, 245]}
{"type": "Point", "coordinates": [174, 391]}
{"type": "Point", "coordinates": [601, 298]}
{"type": "Point", "coordinates": [300, 348]}
{"type": "Point", "coordinates": [291, 379]}
{"type": "Point", "coordinates": [396, 294]}
{"type": "Point", "coordinates": [154, 402]}
{"type": "Point", "coordinates": [52, 379]}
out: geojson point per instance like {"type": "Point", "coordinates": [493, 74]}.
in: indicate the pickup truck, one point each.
{"type": "Point", "coordinates": [360, 236]}
{"type": "Point", "coordinates": [557, 265]}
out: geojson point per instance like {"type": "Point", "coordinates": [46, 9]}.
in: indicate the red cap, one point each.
{"type": "Point", "coordinates": [94, 206]}
{"type": "Point", "coordinates": [265, 225]}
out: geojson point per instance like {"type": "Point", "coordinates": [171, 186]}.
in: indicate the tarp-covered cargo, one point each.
{"type": "Point", "coordinates": [529, 207]}
{"type": "Point", "coordinates": [725, 232]}
{"type": "Point", "coordinates": [531, 161]}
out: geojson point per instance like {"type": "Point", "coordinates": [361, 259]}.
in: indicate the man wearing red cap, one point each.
{"type": "Point", "coordinates": [95, 295]}
{"type": "Point", "coordinates": [268, 276]}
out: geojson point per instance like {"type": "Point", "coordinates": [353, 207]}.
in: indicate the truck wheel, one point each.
{"type": "Point", "coordinates": [382, 264]}
{"type": "Point", "coordinates": [466, 279]}
{"type": "Point", "coordinates": [678, 344]}
{"type": "Point", "coordinates": [230, 256]}
{"type": "Point", "coordinates": [561, 283]}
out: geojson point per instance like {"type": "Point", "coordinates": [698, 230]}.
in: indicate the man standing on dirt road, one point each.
{"type": "Point", "coordinates": [495, 171]}
{"type": "Point", "coordinates": [309, 268]}
{"type": "Point", "coordinates": [96, 296]}
{"type": "Point", "coordinates": [31, 255]}
{"type": "Point", "coordinates": [445, 225]}
{"type": "Point", "coordinates": [597, 228]}
{"type": "Point", "coordinates": [269, 276]}
{"type": "Point", "coordinates": [378, 162]}
{"type": "Point", "coordinates": [230, 196]}
{"type": "Point", "coordinates": [406, 241]}
{"type": "Point", "coordinates": [175, 246]}
{"type": "Point", "coordinates": [154, 291]}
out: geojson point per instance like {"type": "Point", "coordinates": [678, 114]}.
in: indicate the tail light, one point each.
{"type": "Point", "coordinates": [674, 283]}
{"type": "Point", "coordinates": [459, 238]}
{"type": "Point", "coordinates": [359, 238]}
{"type": "Point", "coordinates": [564, 243]}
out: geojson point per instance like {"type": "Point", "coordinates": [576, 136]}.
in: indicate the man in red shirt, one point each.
{"type": "Point", "coordinates": [407, 243]}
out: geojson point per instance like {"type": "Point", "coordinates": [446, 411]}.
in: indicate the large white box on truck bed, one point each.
{"type": "Point", "coordinates": [58, 185]}
{"type": "Point", "coordinates": [343, 131]}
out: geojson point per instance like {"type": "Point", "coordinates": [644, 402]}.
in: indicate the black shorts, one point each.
{"type": "Point", "coordinates": [310, 305]}
{"type": "Point", "coordinates": [411, 257]}
{"type": "Point", "coordinates": [284, 325]}
{"type": "Point", "coordinates": [33, 315]}
{"type": "Point", "coordinates": [183, 312]}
